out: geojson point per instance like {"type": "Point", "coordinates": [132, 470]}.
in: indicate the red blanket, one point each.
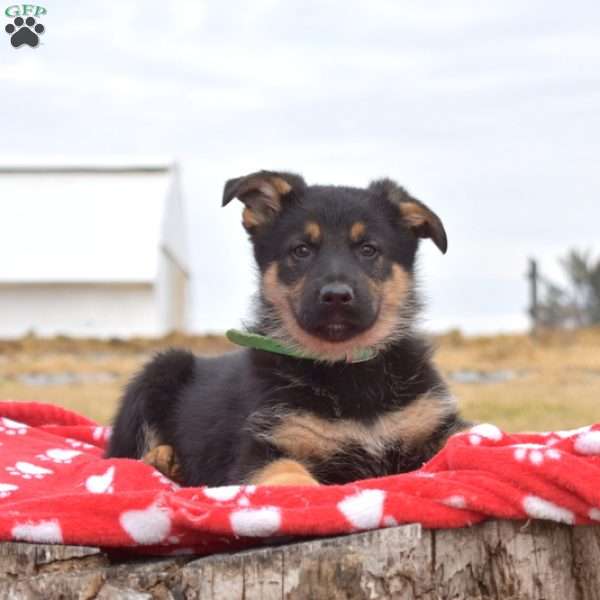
{"type": "Point", "coordinates": [55, 487]}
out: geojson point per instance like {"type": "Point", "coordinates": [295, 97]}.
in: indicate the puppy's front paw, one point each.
{"type": "Point", "coordinates": [163, 459]}
{"type": "Point", "coordinates": [284, 472]}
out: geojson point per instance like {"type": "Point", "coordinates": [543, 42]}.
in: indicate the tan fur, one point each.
{"type": "Point", "coordinates": [283, 472]}
{"type": "Point", "coordinates": [249, 219]}
{"type": "Point", "coordinates": [393, 293]}
{"type": "Point", "coordinates": [270, 190]}
{"type": "Point", "coordinates": [312, 231]}
{"type": "Point", "coordinates": [164, 460]}
{"type": "Point", "coordinates": [305, 436]}
{"type": "Point", "coordinates": [295, 291]}
{"type": "Point", "coordinates": [281, 185]}
{"type": "Point", "coordinates": [357, 231]}
{"type": "Point", "coordinates": [417, 215]}
{"type": "Point", "coordinates": [414, 214]}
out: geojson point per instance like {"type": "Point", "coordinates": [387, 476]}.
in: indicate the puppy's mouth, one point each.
{"type": "Point", "coordinates": [336, 331]}
{"type": "Point", "coordinates": [335, 326]}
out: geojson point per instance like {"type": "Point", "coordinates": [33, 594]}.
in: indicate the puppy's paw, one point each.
{"type": "Point", "coordinates": [290, 479]}
{"type": "Point", "coordinates": [284, 472]}
{"type": "Point", "coordinates": [163, 459]}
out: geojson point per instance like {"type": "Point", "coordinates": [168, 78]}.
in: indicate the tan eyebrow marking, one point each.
{"type": "Point", "coordinates": [357, 231]}
{"type": "Point", "coordinates": [313, 231]}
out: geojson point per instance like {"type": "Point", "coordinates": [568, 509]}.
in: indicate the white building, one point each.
{"type": "Point", "coordinates": [92, 250]}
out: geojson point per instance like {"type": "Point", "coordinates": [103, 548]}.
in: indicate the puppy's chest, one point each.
{"type": "Point", "coordinates": [307, 437]}
{"type": "Point", "coordinates": [341, 448]}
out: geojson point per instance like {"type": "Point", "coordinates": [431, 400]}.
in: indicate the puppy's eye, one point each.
{"type": "Point", "coordinates": [302, 251]}
{"type": "Point", "coordinates": [368, 251]}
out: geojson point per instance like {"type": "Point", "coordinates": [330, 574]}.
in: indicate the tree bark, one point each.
{"type": "Point", "coordinates": [500, 560]}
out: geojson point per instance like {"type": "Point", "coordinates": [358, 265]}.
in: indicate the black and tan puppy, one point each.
{"type": "Point", "coordinates": [354, 396]}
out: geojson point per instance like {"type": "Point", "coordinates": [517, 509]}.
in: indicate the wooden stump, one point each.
{"type": "Point", "coordinates": [498, 560]}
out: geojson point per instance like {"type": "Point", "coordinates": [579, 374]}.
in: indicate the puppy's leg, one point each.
{"type": "Point", "coordinates": [163, 459]}
{"type": "Point", "coordinates": [283, 472]}
{"type": "Point", "coordinates": [150, 404]}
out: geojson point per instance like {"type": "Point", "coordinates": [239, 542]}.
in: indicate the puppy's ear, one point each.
{"type": "Point", "coordinates": [263, 194]}
{"type": "Point", "coordinates": [423, 222]}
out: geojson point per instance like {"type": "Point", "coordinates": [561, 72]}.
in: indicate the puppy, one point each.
{"type": "Point", "coordinates": [337, 384]}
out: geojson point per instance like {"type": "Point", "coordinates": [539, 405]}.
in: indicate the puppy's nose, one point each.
{"type": "Point", "coordinates": [336, 294]}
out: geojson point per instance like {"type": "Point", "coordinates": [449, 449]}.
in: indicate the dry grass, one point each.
{"type": "Point", "coordinates": [101, 367]}
{"type": "Point", "coordinates": [557, 384]}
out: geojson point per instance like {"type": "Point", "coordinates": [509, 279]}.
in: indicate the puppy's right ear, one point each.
{"type": "Point", "coordinates": [264, 194]}
{"type": "Point", "coordinates": [418, 217]}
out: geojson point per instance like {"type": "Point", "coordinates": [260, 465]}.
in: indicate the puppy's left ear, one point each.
{"type": "Point", "coordinates": [423, 222]}
{"type": "Point", "coordinates": [263, 194]}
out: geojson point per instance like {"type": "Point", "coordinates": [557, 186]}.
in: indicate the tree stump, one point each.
{"type": "Point", "coordinates": [500, 560]}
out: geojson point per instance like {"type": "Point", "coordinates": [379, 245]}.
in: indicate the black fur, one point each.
{"type": "Point", "coordinates": [217, 413]}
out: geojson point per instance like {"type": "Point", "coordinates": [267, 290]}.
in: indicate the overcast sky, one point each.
{"type": "Point", "coordinates": [488, 112]}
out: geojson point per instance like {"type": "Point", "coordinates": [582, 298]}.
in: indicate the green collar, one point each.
{"type": "Point", "coordinates": [267, 344]}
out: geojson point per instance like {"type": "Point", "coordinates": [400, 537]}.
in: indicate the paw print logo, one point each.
{"type": "Point", "coordinates": [24, 32]}
{"type": "Point", "coordinates": [240, 493]}
{"type": "Point", "coordinates": [165, 480]}
{"type": "Point", "coordinates": [536, 454]}
{"type": "Point", "coordinates": [101, 484]}
{"type": "Point", "coordinates": [27, 470]}
{"type": "Point", "coordinates": [6, 489]}
{"type": "Point", "coordinates": [10, 427]}
{"type": "Point", "coordinates": [59, 455]}
{"type": "Point", "coordinates": [101, 434]}
{"type": "Point", "coordinates": [78, 444]}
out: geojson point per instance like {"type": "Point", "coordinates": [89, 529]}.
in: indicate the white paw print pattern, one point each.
{"type": "Point", "coordinates": [59, 455]}
{"type": "Point", "coordinates": [165, 480]}
{"type": "Point", "coordinates": [42, 532]}
{"type": "Point", "coordinates": [588, 443]}
{"type": "Point", "coordinates": [27, 470]}
{"type": "Point", "coordinates": [536, 454]}
{"type": "Point", "coordinates": [150, 525]}
{"type": "Point", "coordinates": [484, 430]}
{"type": "Point", "coordinates": [256, 522]}
{"type": "Point", "coordinates": [364, 510]}
{"type": "Point", "coordinates": [6, 489]}
{"type": "Point", "coordinates": [102, 434]}
{"type": "Point", "coordinates": [102, 483]}
{"type": "Point", "coordinates": [78, 444]}
{"type": "Point", "coordinates": [10, 427]}
{"type": "Point", "coordinates": [227, 493]}
{"type": "Point", "coordinates": [539, 508]}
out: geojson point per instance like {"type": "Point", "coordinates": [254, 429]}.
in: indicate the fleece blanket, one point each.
{"type": "Point", "coordinates": [55, 487]}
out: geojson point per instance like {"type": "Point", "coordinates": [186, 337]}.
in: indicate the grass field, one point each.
{"type": "Point", "coordinates": [516, 382]}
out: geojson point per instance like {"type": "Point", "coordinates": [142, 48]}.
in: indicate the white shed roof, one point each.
{"type": "Point", "coordinates": [88, 222]}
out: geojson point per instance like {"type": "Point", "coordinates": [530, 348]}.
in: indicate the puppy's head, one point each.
{"type": "Point", "coordinates": [336, 262]}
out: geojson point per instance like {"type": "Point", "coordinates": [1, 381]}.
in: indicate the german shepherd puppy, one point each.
{"type": "Point", "coordinates": [355, 396]}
